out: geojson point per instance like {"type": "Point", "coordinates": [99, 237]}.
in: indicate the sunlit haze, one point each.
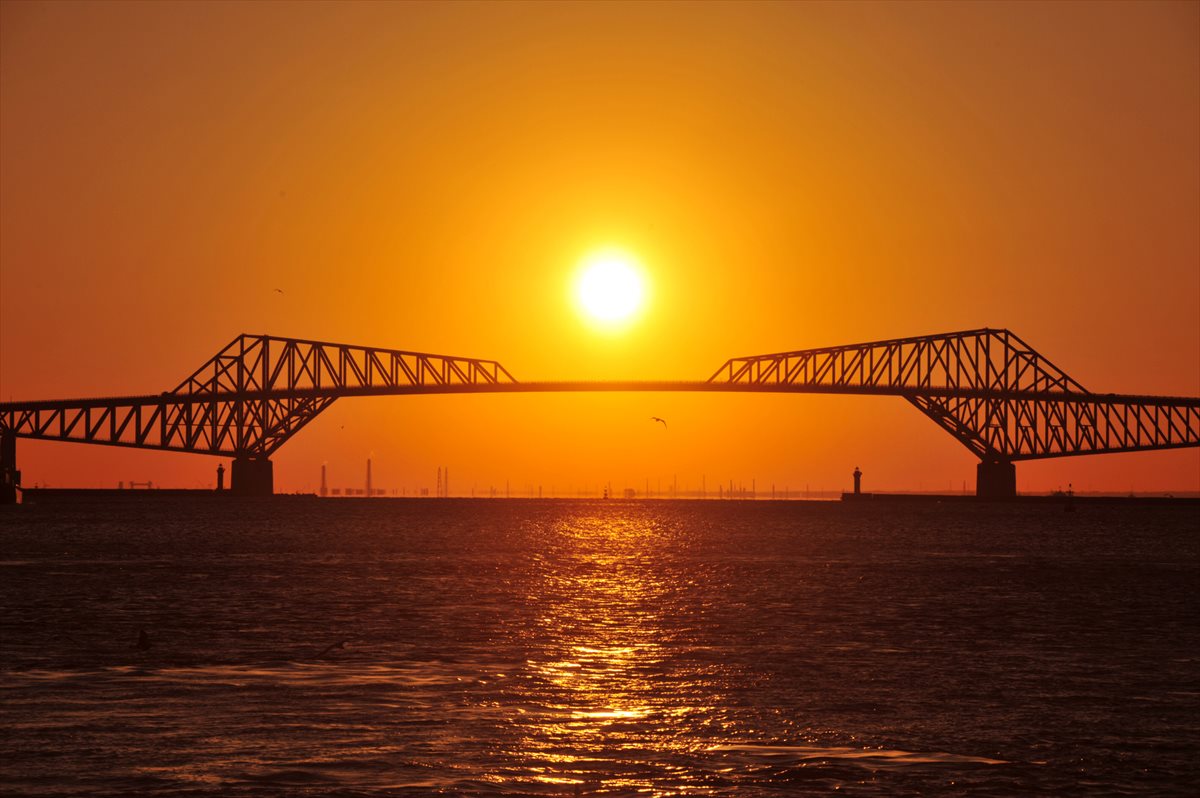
{"type": "Point", "coordinates": [434, 177]}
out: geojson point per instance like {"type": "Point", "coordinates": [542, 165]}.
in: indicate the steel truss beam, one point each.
{"type": "Point", "coordinates": [248, 399]}
{"type": "Point", "coordinates": [989, 389]}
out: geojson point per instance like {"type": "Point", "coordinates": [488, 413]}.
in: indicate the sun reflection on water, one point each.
{"type": "Point", "coordinates": [597, 672]}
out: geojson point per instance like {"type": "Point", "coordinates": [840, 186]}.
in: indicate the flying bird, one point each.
{"type": "Point", "coordinates": [659, 420]}
{"type": "Point", "coordinates": [279, 290]}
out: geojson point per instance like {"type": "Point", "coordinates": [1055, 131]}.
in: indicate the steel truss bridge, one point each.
{"type": "Point", "coordinates": [989, 389]}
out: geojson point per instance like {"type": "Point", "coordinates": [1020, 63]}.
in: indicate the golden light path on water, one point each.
{"type": "Point", "coordinates": [607, 640]}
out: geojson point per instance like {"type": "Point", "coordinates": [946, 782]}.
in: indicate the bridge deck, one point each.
{"type": "Point", "coordinates": [595, 386]}
{"type": "Point", "coordinates": [988, 388]}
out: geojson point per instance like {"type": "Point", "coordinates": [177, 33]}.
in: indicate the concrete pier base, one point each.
{"type": "Point", "coordinates": [252, 476]}
{"type": "Point", "coordinates": [996, 480]}
{"type": "Point", "coordinates": [10, 477]}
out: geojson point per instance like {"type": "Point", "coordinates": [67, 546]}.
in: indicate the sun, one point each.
{"type": "Point", "coordinates": [610, 288]}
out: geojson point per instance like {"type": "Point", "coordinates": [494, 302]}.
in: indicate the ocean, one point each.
{"type": "Point", "coordinates": [298, 646]}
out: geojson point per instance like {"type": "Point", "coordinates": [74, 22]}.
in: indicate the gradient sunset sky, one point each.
{"type": "Point", "coordinates": [429, 176]}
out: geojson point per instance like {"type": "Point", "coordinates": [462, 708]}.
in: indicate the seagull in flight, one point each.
{"type": "Point", "coordinates": [659, 420]}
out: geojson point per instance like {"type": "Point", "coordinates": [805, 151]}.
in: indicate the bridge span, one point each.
{"type": "Point", "coordinates": [994, 393]}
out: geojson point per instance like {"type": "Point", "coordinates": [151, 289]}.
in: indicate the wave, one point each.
{"type": "Point", "coordinates": [873, 758]}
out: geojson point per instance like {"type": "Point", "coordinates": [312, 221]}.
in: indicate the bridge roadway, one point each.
{"type": "Point", "coordinates": [600, 386]}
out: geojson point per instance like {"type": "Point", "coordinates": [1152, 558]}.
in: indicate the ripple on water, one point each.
{"type": "Point", "coordinates": [515, 648]}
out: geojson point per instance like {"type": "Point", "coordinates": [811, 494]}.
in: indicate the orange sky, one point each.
{"type": "Point", "coordinates": [427, 176]}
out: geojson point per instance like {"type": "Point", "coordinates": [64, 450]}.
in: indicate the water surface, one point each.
{"type": "Point", "coordinates": [599, 648]}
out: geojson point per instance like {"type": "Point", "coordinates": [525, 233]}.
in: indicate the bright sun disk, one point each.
{"type": "Point", "coordinates": [610, 287]}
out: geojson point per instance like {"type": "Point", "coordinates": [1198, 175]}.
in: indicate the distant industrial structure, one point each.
{"type": "Point", "coordinates": [368, 489]}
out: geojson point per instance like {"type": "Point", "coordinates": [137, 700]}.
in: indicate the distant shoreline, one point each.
{"type": "Point", "coordinates": [68, 495]}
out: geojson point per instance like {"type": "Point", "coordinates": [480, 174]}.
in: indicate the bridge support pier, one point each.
{"type": "Point", "coordinates": [252, 476]}
{"type": "Point", "coordinates": [10, 477]}
{"type": "Point", "coordinates": [996, 480]}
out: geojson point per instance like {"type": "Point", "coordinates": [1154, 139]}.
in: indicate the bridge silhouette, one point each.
{"type": "Point", "coordinates": [994, 393]}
